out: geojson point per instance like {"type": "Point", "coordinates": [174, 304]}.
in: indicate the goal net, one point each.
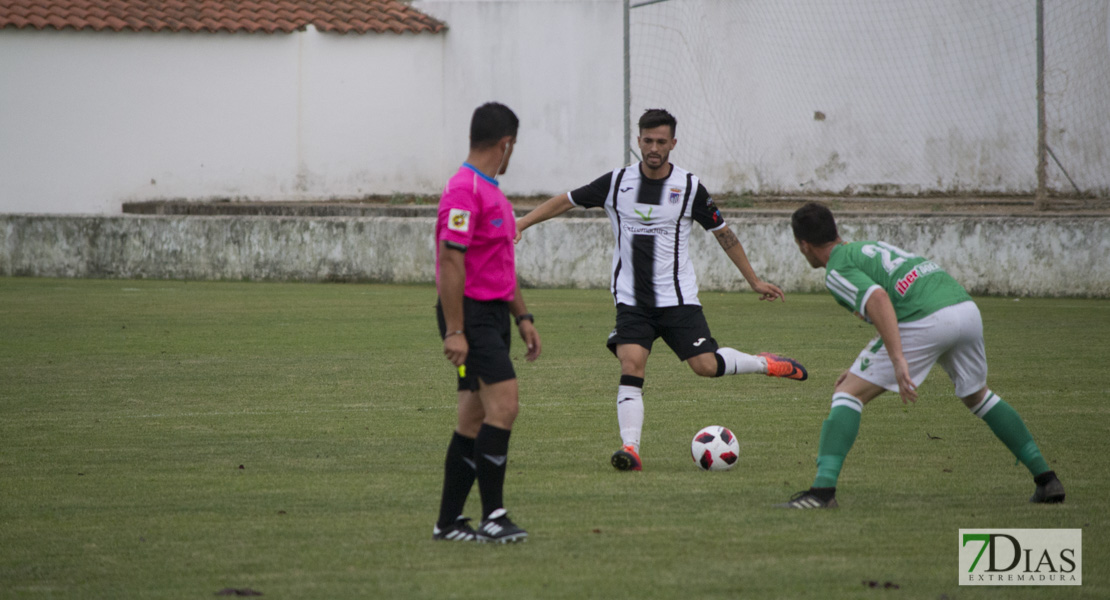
{"type": "Point", "coordinates": [878, 97]}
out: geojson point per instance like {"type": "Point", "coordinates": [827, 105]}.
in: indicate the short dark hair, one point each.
{"type": "Point", "coordinates": [491, 122]}
{"type": "Point", "coordinates": [655, 117]}
{"type": "Point", "coordinates": [814, 223]}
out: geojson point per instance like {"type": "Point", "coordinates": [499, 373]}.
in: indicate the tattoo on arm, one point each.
{"type": "Point", "coordinates": [726, 238]}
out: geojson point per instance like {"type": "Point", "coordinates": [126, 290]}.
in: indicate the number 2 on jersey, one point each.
{"type": "Point", "coordinates": [887, 252]}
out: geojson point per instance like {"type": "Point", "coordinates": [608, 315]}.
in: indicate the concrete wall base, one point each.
{"type": "Point", "coordinates": [1012, 256]}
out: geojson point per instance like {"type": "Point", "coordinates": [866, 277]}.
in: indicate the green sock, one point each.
{"type": "Point", "coordinates": [838, 433]}
{"type": "Point", "coordinates": [1006, 423]}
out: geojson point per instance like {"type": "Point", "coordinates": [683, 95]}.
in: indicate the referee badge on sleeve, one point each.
{"type": "Point", "coordinates": [458, 220]}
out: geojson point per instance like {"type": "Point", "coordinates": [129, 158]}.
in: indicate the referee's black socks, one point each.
{"type": "Point", "coordinates": [458, 478]}
{"type": "Point", "coordinates": [491, 454]}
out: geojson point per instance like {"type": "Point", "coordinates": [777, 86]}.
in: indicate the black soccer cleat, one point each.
{"type": "Point", "coordinates": [808, 499]}
{"type": "Point", "coordinates": [459, 531]}
{"type": "Point", "coordinates": [499, 529]}
{"type": "Point", "coordinates": [1050, 492]}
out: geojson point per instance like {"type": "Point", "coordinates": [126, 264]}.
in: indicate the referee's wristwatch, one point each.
{"type": "Point", "coordinates": [524, 317]}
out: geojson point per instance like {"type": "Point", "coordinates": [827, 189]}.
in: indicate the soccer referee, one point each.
{"type": "Point", "coordinates": [478, 293]}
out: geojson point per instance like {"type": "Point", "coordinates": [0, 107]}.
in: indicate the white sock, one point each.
{"type": "Point", "coordinates": [630, 414]}
{"type": "Point", "coordinates": [985, 405]}
{"type": "Point", "coordinates": [738, 363]}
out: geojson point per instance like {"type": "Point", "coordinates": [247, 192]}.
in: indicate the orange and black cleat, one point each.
{"type": "Point", "coordinates": [780, 366]}
{"type": "Point", "coordinates": [626, 459]}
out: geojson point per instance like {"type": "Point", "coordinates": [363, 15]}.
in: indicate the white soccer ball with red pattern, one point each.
{"type": "Point", "coordinates": [715, 448]}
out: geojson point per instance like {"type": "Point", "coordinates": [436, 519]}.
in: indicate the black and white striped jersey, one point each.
{"type": "Point", "coordinates": [651, 220]}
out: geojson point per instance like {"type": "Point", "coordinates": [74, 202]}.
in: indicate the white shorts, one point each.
{"type": "Point", "coordinates": [952, 336]}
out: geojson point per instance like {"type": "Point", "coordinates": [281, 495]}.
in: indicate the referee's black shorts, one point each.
{"type": "Point", "coordinates": [683, 328]}
{"type": "Point", "coordinates": [486, 324]}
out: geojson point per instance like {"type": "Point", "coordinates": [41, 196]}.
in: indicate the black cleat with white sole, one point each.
{"type": "Point", "coordinates": [459, 531]}
{"type": "Point", "coordinates": [497, 528]}
{"type": "Point", "coordinates": [811, 499]}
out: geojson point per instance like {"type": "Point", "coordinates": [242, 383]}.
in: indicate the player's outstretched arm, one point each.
{"type": "Point", "coordinates": [735, 251]}
{"type": "Point", "coordinates": [552, 207]}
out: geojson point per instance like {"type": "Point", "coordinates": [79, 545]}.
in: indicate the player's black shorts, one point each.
{"type": "Point", "coordinates": [487, 330]}
{"type": "Point", "coordinates": [683, 328]}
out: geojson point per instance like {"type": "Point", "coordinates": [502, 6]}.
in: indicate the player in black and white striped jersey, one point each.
{"type": "Point", "coordinates": [652, 206]}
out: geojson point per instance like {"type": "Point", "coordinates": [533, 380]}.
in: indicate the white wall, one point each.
{"type": "Point", "coordinates": [89, 120]}
{"type": "Point", "coordinates": [915, 96]}
{"type": "Point", "coordinates": [557, 64]}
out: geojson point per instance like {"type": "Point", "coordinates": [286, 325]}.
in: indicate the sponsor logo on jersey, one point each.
{"type": "Point", "coordinates": [646, 217]}
{"type": "Point", "coordinates": [647, 229]}
{"type": "Point", "coordinates": [917, 272]}
{"type": "Point", "coordinates": [497, 222]}
{"type": "Point", "coordinates": [458, 220]}
{"type": "Point", "coordinates": [675, 195]}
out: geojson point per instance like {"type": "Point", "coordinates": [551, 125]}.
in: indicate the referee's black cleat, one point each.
{"type": "Point", "coordinates": [499, 529]}
{"type": "Point", "coordinates": [1051, 491]}
{"type": "Point", "coordinates": [809, 499]}
{"type": "Point", "coordinates": [459, 531]}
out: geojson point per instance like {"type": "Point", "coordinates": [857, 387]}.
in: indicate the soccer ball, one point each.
{"type": "Point", "coordinates": [715, 448]}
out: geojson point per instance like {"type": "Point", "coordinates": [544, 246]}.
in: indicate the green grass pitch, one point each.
{"type": "Point", "coordinates": [172, 440]}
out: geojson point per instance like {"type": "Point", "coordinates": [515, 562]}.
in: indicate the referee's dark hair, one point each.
{"type": "Point", "coordinates": [814, 223]}
{"type": "Point", "coordinates": [655, 117]}
{"type": "Point", "coordinates": [491, 122]}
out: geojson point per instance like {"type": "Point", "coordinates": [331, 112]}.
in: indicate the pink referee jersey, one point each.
{"type": "Point", "coordinates": [474, 214]}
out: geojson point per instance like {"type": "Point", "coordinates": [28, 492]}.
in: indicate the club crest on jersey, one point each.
{"type": "Point", "coordinates": [675, 196]}
{"type": "Point", "coordinates": [458, 220]}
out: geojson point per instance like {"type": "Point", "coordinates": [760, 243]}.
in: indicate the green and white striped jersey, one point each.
{"type": "Point", "coordinates": [917, 287]}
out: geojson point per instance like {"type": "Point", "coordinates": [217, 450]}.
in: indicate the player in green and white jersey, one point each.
{"type": "Point", "coordinates": [923, 316]}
